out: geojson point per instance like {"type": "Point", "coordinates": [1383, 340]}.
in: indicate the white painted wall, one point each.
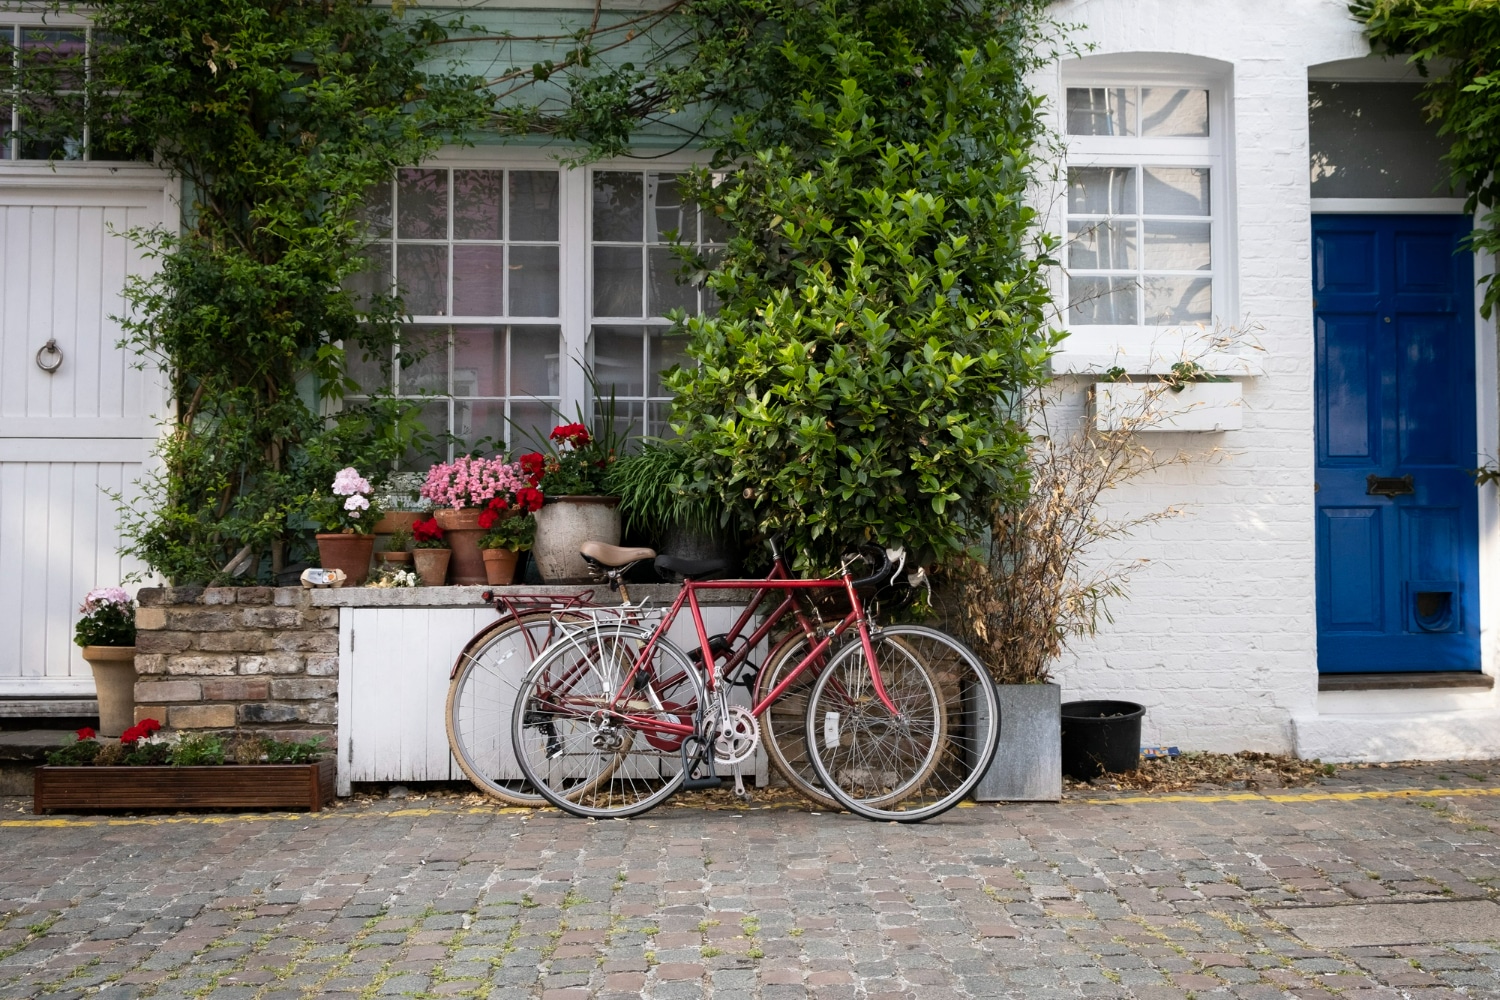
{"type": "Point", "coordinates": [1218, 635]}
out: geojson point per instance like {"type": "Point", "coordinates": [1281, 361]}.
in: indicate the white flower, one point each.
{"type": "Point", "coordinates": [355, 504]}
{"type": "Point", "coordinates": [349, 482]}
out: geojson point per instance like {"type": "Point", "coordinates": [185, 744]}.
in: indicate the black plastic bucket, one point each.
{"type": "Point", "coordinates": [1100, 736]}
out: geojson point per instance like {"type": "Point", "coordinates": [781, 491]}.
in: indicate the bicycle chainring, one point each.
{"type": "Point", "coordinates": [738, 737]}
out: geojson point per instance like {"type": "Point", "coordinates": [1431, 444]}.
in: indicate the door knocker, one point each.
{"type": "Point", "coordinates": [54, 356]}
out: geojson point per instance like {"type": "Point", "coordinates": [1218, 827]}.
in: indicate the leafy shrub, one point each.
{"type": "Point", "coordinates": [197, 750]}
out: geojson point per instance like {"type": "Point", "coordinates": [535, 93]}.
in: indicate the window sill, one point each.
{"type": "Point", "coordinates": [1406, 681]}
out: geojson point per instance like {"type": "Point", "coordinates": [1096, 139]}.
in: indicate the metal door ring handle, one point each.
{"type": "Point", "coordinates": [55, 354]}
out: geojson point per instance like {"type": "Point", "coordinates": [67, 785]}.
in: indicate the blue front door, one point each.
{"type": "Point", "coordinates": [1398, 511]}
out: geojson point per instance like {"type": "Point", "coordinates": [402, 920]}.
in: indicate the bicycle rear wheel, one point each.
{"type": "Point", "coordinates": [486, 678]}
{"type": "Point", "coordinates": [915, 767]}
{"type": "Point", "coordinates": [593, 740]}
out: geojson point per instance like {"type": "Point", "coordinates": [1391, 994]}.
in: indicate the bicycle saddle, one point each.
{"type": "Point", "coordinates": [690, 567]}
{"type": "Point", "coordinates": [613, 556]}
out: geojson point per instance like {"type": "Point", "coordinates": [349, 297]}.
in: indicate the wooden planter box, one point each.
{"type": "Point", "coordinates": [237, 786]}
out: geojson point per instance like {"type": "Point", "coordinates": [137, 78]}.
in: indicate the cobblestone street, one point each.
{"type": "Point", "coordinates": [1247, 895]}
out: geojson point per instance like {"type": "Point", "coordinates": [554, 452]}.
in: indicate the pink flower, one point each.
{"type": "Point", "coordinates": [348, 482]}
{"type": "Point", "coordinates": [104, 595]}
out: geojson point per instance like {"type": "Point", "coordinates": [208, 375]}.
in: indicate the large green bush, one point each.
{"type": "Point", "coordinates": [884, 292]}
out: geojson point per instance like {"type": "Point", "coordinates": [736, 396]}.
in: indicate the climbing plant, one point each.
{"type": "Point", "coordinates": [278, 116]}
{"type": "Point", "coordinates": [1455, 44]}
{"type": "Point", "coordinates": [883, 297]}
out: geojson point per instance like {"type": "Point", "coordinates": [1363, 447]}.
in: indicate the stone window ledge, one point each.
{"type": "Point", "coordinates": [1406, 681]}
{"type": "Point", "coordinates": [659, 594]}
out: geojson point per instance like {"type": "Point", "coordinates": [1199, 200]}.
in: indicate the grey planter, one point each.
{"type": "Point", "coordinates": [1028, 762]}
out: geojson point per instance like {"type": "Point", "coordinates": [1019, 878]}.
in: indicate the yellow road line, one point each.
{"type": "Point", "coordinates": [417, 812]}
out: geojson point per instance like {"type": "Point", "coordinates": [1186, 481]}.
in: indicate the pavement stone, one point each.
{"type": "Point", "coordinates": [1106, 894]}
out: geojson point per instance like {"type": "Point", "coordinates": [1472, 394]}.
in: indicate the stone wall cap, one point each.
{"type": "Point", "coordinates": [660, 594]}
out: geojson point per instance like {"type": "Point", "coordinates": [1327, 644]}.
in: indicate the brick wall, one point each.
{"type": "Point", "coordinates": [260, 658]}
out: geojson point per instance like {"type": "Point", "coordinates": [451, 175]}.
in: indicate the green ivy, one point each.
{"type": "Point", "coordinates": [1456, 43]}
{"type": "Point", "coordinates": [884, 293]}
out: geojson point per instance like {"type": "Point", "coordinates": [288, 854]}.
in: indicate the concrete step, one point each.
{"type": "Point", "coordinates": [41, 708]}
{"type": "Point", "coordinates": [23, 749]}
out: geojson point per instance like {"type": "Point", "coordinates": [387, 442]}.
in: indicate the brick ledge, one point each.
{"type": "Point", "coordinates": [1405, 681]}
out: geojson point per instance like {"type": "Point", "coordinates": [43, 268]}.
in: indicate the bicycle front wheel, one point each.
{"type": "Point", "coordinates": [486, 678]}
{"type": "Point", "coordinates": [596, 739]}
{"type": "Point", "coordinates": [926, 760]}
{"type": "Point", "coordinates": [784, 722]}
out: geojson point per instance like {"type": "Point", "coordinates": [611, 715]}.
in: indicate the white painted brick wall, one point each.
{"type": "Point", "coordinates": [1218, 635]}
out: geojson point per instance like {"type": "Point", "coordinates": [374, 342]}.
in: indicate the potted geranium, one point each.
{"type": "Point", "coordinates": [430, 552]}
{"type": "Point", "coordinates": [347, 516]}
{"type": "Point", "coordinates": [460, 491]}
{"type": "Point", "coordinates": [106, 631]}
{"type": "Point", "coordinates": [574, 474]}
{"type": "Point", "coordinates": [511, 531]}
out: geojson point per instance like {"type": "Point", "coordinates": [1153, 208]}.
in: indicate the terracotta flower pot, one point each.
{"type": "Point", "coordinates": [114, 682]}
{"type": "Point", "coordinates": [396, 520]}
{"type": "Point", "coordinates": [565, 523]}
{"type": "Point", "coordinates": [400, 558]}
{"type": "Point", "coordinates": [432, 565]}
{"type": "Point", "coordinates": [348, 552]}
{"type": "Point", "coordinates": [499, 566]}
{"type": "Point", "coordinates": [461, 529]}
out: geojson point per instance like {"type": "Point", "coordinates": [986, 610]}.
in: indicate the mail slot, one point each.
{"type": "Point", "coordinates": [1389, 486]}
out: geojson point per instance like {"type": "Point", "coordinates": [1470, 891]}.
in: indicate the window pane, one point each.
{"type": "Point", "coordinates": [479, 425]}
{"type": "Point", "coordinates": [1102, 301]}
{"type": "Point", "coordinates": [533, 204]}
{"type": "Point", "coordinates": [671, 215]}
{"type": "Point", "coordinates": [667, 291]}
{"type": "Point", "coordinates": [1102, 246]}
{"type": "Point", "coordinates": [534, 357]}
{"type": "Point", "coordinates": [375, 210]}
{"type": "Point", "coordinates": [374, 279]}
{"type": "Point", "coordinates": [44, 136]}
{"type": "Point", "coordinates": [1176, 191]}
{"type": "Point", "coordinates": [1101, 111]}
{"type": "Point", "coordinates": [1177, 246]}
{"type": "Point", "coordinates": [714, 230]}
{"type": "Point", "coordinates": [659, 414]}
{"type": "Point", "coordinates": [1169, 112]}
{"type": "Point", "coordinates": [423, 276]}
{"type": "Point", "coordinates": [618, 211]}
{"type": "Point", "coordinates": [533, 281]}
{"type": "Point", "coordinates": [423, 361]}
{"type": "Point", "coordinates": [479, 361]}
{"type": "Point", "coordinates": [51, 60]}
{"type": "Point", "coordinates": [531, 422]}
{"type": "Point", "coordinates": [617, 281]}
{"type": "Point", "coordinates": [478, 280]}
{"type": "Point", "coordinates": [1372, 140]}
{"type": "Point", "coordinates": [434, 417]}
{"type": "Point", "coordinates": [1101, 190]}
{"type": "Point", "coordinates": [1174, 301]}
{"type": "Point", "coordinates": [422, 204]}
{"type": "Point", "coordinates": [477, 205]}
{"type": "Point", "coordinates": [667, 350]}
{"type": "Point", "coordinates": [618, 362]}
{"type": "Point", "coordinates": [370, 372]}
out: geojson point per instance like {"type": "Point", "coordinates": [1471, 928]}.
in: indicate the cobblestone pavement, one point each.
{"type": "Point", "coordinates": [1146, 897]}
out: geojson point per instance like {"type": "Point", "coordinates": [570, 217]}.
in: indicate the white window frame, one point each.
{"type": "Point", "coordinates": [1144, 348]}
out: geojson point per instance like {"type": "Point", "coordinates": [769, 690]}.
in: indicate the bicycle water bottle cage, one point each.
{"type": "Point", "coordinates": [612, 562]}
{"type": "Point", "coordinates": [698, 758]}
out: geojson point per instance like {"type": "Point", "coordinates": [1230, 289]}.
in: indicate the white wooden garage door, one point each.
{"type": "Point", "coordinates": [69, 436]}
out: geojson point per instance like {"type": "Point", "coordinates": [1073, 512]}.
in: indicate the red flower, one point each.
{"type": "Point", "coordinates": [533, 465]}
{"type": "Point", "coordinates": [86, 733]}
{"type": "Point", "coordinates": [132, 735]}
{"type": "Point", "coordinates": [576, 435]}
{"type": "Point", "coordinates": [529, 500]}
{"type": "Point", "coordinates": [149, 725]}
{"type": "Point", "coordinates": [487, 518]}
{"type": "Point", "coordinates": [427, 530]}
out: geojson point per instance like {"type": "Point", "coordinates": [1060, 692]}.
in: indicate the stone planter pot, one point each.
{"type": "Point", "coordinates": [461, 529]}
{"type": "Point", "coordinates": [500, 566]}
{"type": "Point", "coordinates": [1028, 762]}
{"type": "Point", "coordinates": [114, 680]}
{"type": "Point", "coordinates": [237, 786]}
{"type": "Point", "coordinates": [432, 565]}
{"type": "Point", "coordinates": [348, 552]}
{"type": "Point", "coordinates": [565, 523]}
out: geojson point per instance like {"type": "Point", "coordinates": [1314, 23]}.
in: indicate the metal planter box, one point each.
{"type": "Point", "coordinates": [1028, 762]}
{"type": "Point", "coordinates": [236, 786]}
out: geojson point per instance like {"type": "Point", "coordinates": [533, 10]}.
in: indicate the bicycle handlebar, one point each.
{"type": "Point", "coordinates": [876, 579]}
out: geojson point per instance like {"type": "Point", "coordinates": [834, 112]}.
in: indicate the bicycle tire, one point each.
{"type": "Point", "coordinates": [783, 724]}
{"type": "Point", "coordinates": [573, 744]}
{"type": "Point", "coordinates": [929, 785]}
{"type": "Point", "coordinates": [486, 678]}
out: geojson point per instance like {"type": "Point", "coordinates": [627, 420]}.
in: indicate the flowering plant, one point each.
{"type": "Point", "coordinates": [140, 746]}
{"type": "Point", "coordinates": [576, 462]}
{"type": "Point", "coordinates": [387, 578]}
{"type": "Point", "coordinates": [348, 508]}
{"type": "Point", "coordinates": [516, 533]}
{"type": "Point", "coordinates": [427, 534]}
{"type": "Point", "coordinates": [108, 619]}
{"type": "Point", "coordinates": [473, 482]}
